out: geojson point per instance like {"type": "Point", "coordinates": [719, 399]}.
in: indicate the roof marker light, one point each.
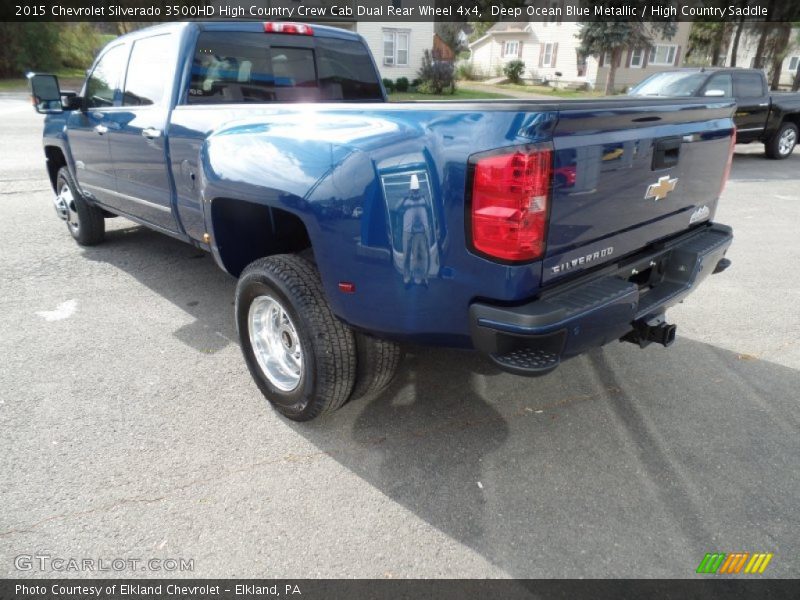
{"type": "Point", "coordinates": [290, 28]}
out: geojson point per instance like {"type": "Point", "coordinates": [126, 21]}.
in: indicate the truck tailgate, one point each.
{"type": "Point", "coordinates": [625, 177]}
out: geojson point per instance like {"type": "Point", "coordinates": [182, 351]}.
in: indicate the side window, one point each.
{"type": "Point", "coordinates": [144, 83]}
{"type": "Point", "coordinates": [102, 84]}
{"type": "Point", "coordinates": [749, 85]}
{"type": "Point", "coordinates": [721, 82]}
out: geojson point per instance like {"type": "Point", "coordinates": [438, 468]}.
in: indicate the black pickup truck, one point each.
{"type": "Point", "coordinates": [761, 116]}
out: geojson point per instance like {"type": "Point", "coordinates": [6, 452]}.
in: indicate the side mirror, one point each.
{"type": "Point", "coordinates": [715, 93]}
{"type": "Point", "coordinates": [45, 93]}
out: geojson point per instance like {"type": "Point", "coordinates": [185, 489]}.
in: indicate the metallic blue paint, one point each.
{"type": "Point", "coordinates": [341, 169]}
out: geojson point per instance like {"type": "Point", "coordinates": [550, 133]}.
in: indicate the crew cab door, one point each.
{"type": "Point", "coordinates": [752, 99]}
{"type": "Point", "coordinates": [138, 138]}
{"type": "Point", "coordinates": [88, 130]}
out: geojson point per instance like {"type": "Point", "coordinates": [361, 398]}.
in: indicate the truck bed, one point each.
{"type": "Point", "coordinates": [346, 167]}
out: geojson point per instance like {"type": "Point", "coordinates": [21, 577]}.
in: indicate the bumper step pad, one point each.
{"type": "Point", "coordinates": [529, 360]}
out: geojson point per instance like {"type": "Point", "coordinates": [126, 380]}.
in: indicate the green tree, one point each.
{"type": "Point", "coordinates": [46, 47]}
{"type": "Point", "coordinates": [26, 46]}
{"type": "Point", "coordinates": [613, 37]}
{"type": "Point", "coordinates": [707, 41]}
{"type": "Point", "coordinates": [451, 35]}
{"type": "Point", "coordinates": [479, 29]}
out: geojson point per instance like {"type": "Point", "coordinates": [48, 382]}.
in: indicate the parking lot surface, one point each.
{"type": "Point", "coordinates": [130, 427]}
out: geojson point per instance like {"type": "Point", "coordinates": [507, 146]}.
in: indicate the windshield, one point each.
{"type": "Point", "coordinates": [675, 83]}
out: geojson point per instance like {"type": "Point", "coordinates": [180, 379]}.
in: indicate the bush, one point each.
{"type": "Point", "coordinates": [401, 85]}
{"type": "Point", "coordinates": [389, 85]}
{"type": "Point", "coordinates": [514, 70]}
{"type": "Point", "coordinates": [469, 72]}
{"type": "Point", "coordinates": [436, 76]}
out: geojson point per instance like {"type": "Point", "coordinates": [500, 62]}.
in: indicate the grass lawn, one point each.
{"type": "Point", "coordinates": [68, 79]}
{"type": "Point", "coordinates": [548, 91]}
{"type": "Point", "coordinates": [459, 95]}
{"type": "Point", "coordinates": [13, 85]}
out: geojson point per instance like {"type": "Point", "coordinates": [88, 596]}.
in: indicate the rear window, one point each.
{"type": "Point", "coordinates": [253, 67]}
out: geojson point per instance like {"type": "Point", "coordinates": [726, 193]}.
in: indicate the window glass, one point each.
{"type": "Point", "coordinates": [721, 82]}
{"type": "Point", "coordinates": [637, 57]}
{"type": "Point", "coordinates": [345, 71]}
{"type": "Point", "coordinates": [793, 63]}
{"type": "Point", "coordinates": [145, 81]}
{"type": "Point", "coordinates": [244, 68]}
{"type": "Point", "coordinates": [511, 49]}
{"type": "Point", "coordinates": [293, 67]}
{"type": "Point", "coordinates": [670, 83]}
{"type": "Point", "coordinates": [749, 85]}
{"type": "Point", "coordinates": [102, 84]}
{"type": "Point", "coordinates": [388, 48]}
{"type": "Point", "coordinates": [402, 49]}
{"type": "Point", "coordinates": [662, 55]}
{"type": "Point", "coordinates": [547, 60]}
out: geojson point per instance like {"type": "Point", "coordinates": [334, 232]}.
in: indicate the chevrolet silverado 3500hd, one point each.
{"type": "Point", "coordinates": [529, 230]}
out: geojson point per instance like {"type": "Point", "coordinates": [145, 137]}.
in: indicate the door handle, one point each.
{"type": "Point", "coordinates": [151, 132]}
{"type": "Point", "coordinates": [101, 129]}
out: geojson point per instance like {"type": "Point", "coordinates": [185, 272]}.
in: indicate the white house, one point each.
{"type": "Point", "coordinates": [397, 46]}
{"type": "Point", "coordinates": [545, 48]}
{"type": "Point", "coordinates": [746, 54]}
{"type": "Point", "coordinates": [550, 52]}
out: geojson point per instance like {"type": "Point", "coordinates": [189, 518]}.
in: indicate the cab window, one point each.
{"type": "Point", "coordinates": [749, 85]}
{"type": "Point", "coordinates": [103, 83]}
{"type": "Point", "coordinates": [144, 83]}
{"type": "Point", "coordinates": [721, 82]}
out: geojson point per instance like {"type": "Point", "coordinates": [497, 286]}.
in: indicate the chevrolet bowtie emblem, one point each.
{"type": "Point", "coordinates": [660, 189]}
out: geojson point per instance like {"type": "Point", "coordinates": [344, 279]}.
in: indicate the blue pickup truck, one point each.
{"type": "Point", "coordinates": [529, 230]}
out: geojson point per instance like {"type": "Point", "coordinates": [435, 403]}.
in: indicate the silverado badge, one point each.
{"type": "Point", "coordinates": [660, 189]}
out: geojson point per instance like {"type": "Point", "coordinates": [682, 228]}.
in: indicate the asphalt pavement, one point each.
{"type": "Point", "coordinates": [130, 428]}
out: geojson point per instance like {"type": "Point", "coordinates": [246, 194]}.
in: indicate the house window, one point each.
{"type": "Point", "coordinates": [395, 48]}
{"type": "Point", "coordinates": [793, 63]}
{"type": "Point", "coordinates": [547, 56]}
{"type": "Point", "coordinates": [662, 54]}
{"type": "Point", "coordinates": [637, 58]}
{"type": "Point", "coordinates": [511, 48]}
{"type": "Point", "coordinates": [606, 59]}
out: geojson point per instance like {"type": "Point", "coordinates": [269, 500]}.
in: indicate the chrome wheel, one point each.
{"type": "Point", "coordinates": [275, 343]}
{"type": "Point", "coordinates": [787, 141]}
{"type": "Point", "coordinates": [65, 205]}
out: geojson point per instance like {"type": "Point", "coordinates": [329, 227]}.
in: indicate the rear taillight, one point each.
{"type": "Point", "coordinates": [290, 28]}
{"type": "Point", "coordinates": [730, 161]}
{"type": "Point", "coordinates": [510, 194]}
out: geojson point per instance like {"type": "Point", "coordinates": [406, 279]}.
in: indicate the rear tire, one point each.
{"type": "Point", "coordinates": [85, 221]}
{"type": "Point", "coordinates": [302, 358]}
{"type": "Point", "coordinates": [783, 142]}
{"type": "Point", "coordinates": [377, 364]}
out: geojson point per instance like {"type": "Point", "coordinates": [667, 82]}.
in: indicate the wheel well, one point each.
{"type": "Point", "coordinates": [793, 118]}
{"type": "Point", "coordinates": [55, 160]}
{"type": "Point", "coordinates": [245, 231]}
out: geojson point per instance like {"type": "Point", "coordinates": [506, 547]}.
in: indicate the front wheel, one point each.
{"type": "Point", "coordinates": [302, 358]}
{"type": "Point", "coordinates": [85, 221]}
{"type": "Point", "coordinates": [783, 142]}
